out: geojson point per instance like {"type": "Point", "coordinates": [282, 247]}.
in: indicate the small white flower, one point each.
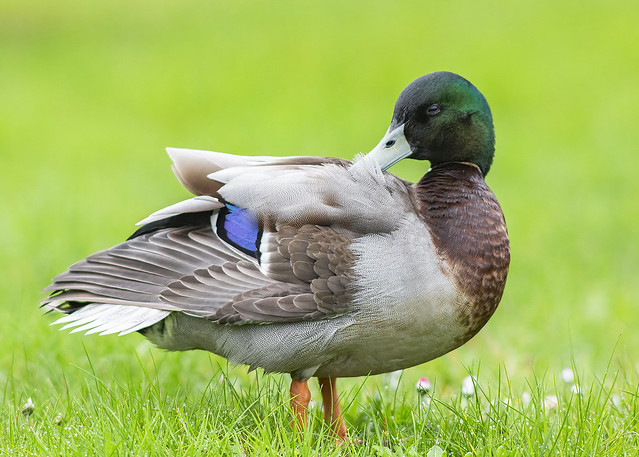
{"type": "Point", "coordinates": [423, 385]}
{"type": "Point", "coordinates": [28, 408]}
{"type": "Point", "coordinates": [567, 375]}
{"type": "Point", "coordinates": [551, 401]}
{"type": "Point", "coordinates": [525, 398]}
{"type": "Point", "coordinates": [575, 389]}
{"type": "Point", "coordinates": [468, 386]}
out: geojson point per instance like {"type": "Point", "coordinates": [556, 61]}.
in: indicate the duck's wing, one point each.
{"type": "Point", "coordinates": [193, 270]}
{"type": "Point", "coordinates": [276, 249]}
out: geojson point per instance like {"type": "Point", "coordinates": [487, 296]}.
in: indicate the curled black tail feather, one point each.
{"type": "Point", "coordinates": [181, 220]}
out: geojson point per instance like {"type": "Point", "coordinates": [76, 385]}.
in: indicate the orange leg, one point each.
{"type": "Point", "coordinates": [300, 396]}
{"type": "Point", "coordinates": [332, 410]}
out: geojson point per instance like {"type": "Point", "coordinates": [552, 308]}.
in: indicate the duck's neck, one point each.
{"type": "Point", "coordinates": [468, 231]}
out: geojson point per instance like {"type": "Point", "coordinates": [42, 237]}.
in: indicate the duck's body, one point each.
{"type": "Point", "coordinates": [386, 324]}
{"type": "Point", "coordinates": [311, 266]}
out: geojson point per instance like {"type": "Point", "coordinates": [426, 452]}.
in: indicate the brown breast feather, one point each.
{"type": "Point", "coordinates": [469, 233]}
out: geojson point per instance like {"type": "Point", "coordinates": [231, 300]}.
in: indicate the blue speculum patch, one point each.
{"type": "Point", "coordinates": [239, 228]}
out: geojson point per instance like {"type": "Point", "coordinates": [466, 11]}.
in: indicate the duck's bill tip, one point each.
{"type": "Point", "coordinates": [391, 149]}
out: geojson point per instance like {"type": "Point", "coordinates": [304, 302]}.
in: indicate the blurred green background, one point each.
{"type": "Point", "coordinates": [91, 93]}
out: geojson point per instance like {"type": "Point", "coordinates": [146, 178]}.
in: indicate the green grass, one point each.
{"type": "Point", "coordinates": [153, 409]}
{"type": "Point", "coordinates": [90, 94]}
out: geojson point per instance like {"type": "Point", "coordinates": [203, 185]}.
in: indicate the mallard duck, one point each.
{"type": "Point", "coordinates": [314, 266]}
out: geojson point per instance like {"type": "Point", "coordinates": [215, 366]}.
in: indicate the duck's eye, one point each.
{"type": "Point", "coordinates": [433, 109]}
{"type": "Point", "coordinates": [390, 143]}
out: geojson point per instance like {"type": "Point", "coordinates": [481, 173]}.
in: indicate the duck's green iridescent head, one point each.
{"type": "Point", "coordinates": [441, 117]}
{"type": "Point", "coordinates": [446, 119]}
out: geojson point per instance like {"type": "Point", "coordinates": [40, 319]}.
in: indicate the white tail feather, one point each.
{"type": "Point", "coordinates": [106, 319]}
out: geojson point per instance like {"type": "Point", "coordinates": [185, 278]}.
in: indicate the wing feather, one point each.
{"type": "Point", "coordinates": [189, 270]}
{"type": "Point", "coordinates": [308, 211]}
